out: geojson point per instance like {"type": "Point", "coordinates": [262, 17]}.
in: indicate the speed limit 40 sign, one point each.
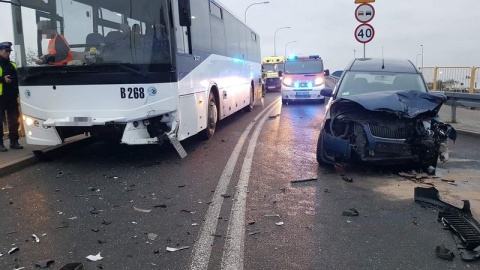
{"type": "Point", "coordinates": [364, 33]}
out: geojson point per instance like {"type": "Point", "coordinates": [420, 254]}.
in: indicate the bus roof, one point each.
{"type": "Point", "coordinates": [273, 59]}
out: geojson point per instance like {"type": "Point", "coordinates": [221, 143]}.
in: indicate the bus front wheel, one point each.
{"type": "Point", "coordinates": [249, 107]}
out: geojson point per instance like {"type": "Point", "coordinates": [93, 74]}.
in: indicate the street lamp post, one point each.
{"type": "Point", "coordinates": [286, 46]}
{"type": "Point", "coordinates": [258, 3]}
{"type": "Point", "coordinates": [274, 40]}
{"type": "Point", "coordinates": [416, 60]}
{"type": "Point", "coordinates": [422, 57]}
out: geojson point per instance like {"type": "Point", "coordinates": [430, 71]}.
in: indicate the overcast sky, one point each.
{"type": "Point", "coordinates": [448, 30]}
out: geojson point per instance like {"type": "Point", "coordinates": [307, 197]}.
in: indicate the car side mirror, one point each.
{"type": "Point", "coordinates": [280, 73]}
{"type": "Point", "coordinates": [326, 92]}
{"type": "Point", "coordinates": [327, 72]}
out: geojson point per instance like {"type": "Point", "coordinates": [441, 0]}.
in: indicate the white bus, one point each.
{"type": "Point", "coordinates": [143, 70]}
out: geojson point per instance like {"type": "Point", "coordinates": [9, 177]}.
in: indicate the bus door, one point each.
{"type": "Point", "coordinates": [186, 62]}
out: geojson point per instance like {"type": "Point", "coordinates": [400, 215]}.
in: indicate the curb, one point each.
{"type": "Point", "coordinates": [31, 159]}
{"type": "Point", "coordinates": [468, 132]}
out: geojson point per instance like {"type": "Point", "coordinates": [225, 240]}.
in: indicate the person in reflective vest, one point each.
{"type": "Point", "coordinates": [9, 96]}
{"type": "Point", "coordinates": [59, 52]}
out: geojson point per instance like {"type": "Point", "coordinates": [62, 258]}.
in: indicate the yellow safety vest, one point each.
{"type": "Point", "coordinates": [1, 75]}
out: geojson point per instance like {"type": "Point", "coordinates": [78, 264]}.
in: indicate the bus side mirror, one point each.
{"type": "Point", "coordinates": [327, 72]}
{"type": "Point", "coordinates": [184, 14]}
{"type": "Point", "coordinates": [280, 73]}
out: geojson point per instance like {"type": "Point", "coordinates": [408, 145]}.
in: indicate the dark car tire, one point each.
{"type": "Point", "coordinates": [321, 158]}
{"type": "Point", "coordinates": [284, 101]}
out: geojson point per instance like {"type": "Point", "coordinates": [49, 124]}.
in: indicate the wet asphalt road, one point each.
{"type": "Point", "coordinates": [93, 199]}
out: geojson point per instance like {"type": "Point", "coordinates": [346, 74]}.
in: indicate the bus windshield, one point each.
{"type": "Point", "coordinates": [304, 67]}
{"type": "Point", "coordinates": [273, 67]}
{"type": "Point", "coordinates": [91, 32]}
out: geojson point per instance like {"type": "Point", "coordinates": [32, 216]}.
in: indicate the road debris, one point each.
{"type": "Point", "coordinates": [171, 249]}
{"type": "Point", "coordinates": [279, 223]}
{"type": "Point", "coordinates": [106, 222]}
{"type": "Point", "coordinates": [35, 238]}
{"type": "Point", "coordinates": [152, 236]}
{"type": "Point", "coordinates": [72, 218]}
{"type": "Point", "coordinates": [195, 224]}
{"type": "Point", "coordinates": [13, 250]}
{"type": "Point", "coordinates": [272, 215]}
{"type": "Point", "coordinates": [188, 211]}
{"type": "Point", "coordinates": [60, 174]}
{"type": "Point", "coordinates": [352, 213]}
{"type": "Point", "coordinates": [94, 258]}
{"type": "Point", "coordinates": [444, 253]}
{"type": "Point", "coordinates": [459, 220]}
{"type": "Point", "coordinates": [160, 206]}
{"type": "Point", "coordinates": [142, 210]}
{"type": "Point", "coordinates": [304, 180]}
{"type": "Point", "coordinates": [182, 186]}
{"type": "Point", "coordinates": [72, 266]}
{"type": "Point", "coordinates": [347, 179]}
{"type": "Point", "coordinates": [94, 210]}
{"type": "Point", "coordinates": [254, 232]}
{"type": "Point", "coordinates": [7, 187]}
{"type": "Point", "coordinates": [251, 222]}
{"type": "Point", "coordinates": [20, 268]}
{"type": "Point", "coordinates": [415, 221]}
{"type": "Point", "coordinates": [44, 263]}
{"type": "Point", "coordinates": [226, 196]}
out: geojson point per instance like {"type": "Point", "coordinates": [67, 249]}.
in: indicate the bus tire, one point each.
{"type": "Point", "coordinates": [249, 107]}
{"type": "Point", "coordinates": [212, 117]}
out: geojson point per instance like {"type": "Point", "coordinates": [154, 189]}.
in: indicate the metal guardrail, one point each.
{"type": "Point", "coordinates": [455, 100]}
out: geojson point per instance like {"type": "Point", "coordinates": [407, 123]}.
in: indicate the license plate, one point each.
{"type": "Point", "coordinates": [302, 93]}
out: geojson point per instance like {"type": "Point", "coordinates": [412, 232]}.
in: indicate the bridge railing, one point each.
{"type": "Point", "coordinates": [452, 79]}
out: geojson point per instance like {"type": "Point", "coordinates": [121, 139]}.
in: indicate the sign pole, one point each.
{"type": "Point", "coordinates": [363, 50]}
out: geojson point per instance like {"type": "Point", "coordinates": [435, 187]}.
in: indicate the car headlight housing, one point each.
{"type": "Point", "coordinates": [319, 81]}
{"type": "Point", "coordinates": [287, 81]}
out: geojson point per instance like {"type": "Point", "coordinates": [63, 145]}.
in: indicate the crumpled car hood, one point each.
{"type": "Point", "coordinates": [405, 103]}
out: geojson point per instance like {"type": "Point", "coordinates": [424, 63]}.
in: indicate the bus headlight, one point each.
{"type": "Point", "coordinates": [287, 81]}
{"type": "Point", "coordinates": [319, 81]}
{"type": "Point", "coordinates": [28, 121]}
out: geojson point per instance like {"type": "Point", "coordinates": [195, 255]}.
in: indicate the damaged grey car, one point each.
{"type": "Point", "coordinates": [381, 112]}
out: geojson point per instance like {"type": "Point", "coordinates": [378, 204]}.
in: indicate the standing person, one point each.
{"type": "Point", "coordinates": [9, 96]}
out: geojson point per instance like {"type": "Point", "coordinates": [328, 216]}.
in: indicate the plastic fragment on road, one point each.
{"type": "Point", "coordinates": [272, 215]}
{"type": "Point", "coordinates": [304, 180]}
{"type": "Point", "coordinates": [45, 263]}
{"type": "Point", "coordinates": [35, 238]}
{"type": "Point", "coordinates": [13, 250]}
{"type": "Point", "coordinates": [152, 236]}
{"type": "Point", "coordinates": [72, 218]}
{"type": "Point", "coordinates": [171, 249]}
{"type": "Point", "coordinates": [351, 213]}
{"type": "Point", "coordinates": [20, 268]}
{"type": "Point", "coordinates": [94, 258]}
{"type": "Point", "coordinates": [72, 266]}
{"type": "Point", "coordinates": [142, 210]}
{"type": "Point", "coordinates": [254, 232]}
{"type": "Point", "coordinates": [279, 223]}
{"type": "Point", "coordinates": [444, 253]}
{"type": "Point", "coordinates": [7, 187]}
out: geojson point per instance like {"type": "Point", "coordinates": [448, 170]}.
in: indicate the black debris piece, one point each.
{"type": "Point", "coordinates": [94, 210]}
{"type": "Point", "coordinates": [156, 251]}
{"type": "Point", "coordinates": [226, 196]}
{"type": "Point", "coordinates": [60, 174]}
{"type": "Point", "coordinates": [251, 222]}
{"type": "Point", "coordinates": [181, 186]}
{"type": "Point", "coordinates": [72, 266]}
{"type": "Point", "coordinates": [444, 253]}
{"type": "Point", "coordinates": [44, 263]}
{"type": "Point", "coordinates": [105, 222]}
{"type": "Point", "coordinates": [326, 190]}
{"type": "Point", "coordinates": [95, 230]}
{"type": "Point", "coordinates": [160, 206]}
{"type": "Point", "coordinates": [347, 179]}
{"type": "Point", "coordinates": [351, 213]}
{"type": "Point", "coordinates": [304, 180]}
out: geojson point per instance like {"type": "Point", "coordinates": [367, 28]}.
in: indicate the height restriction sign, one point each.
{"type": "Point", "coordinates": [364, 33]}
{"type": "Point", "coordinates": [364, 13]}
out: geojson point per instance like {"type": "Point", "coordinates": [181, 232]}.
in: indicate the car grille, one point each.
{"type": "Point", "coordinates": [385, 132]}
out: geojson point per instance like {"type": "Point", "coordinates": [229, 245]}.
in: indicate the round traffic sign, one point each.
{"type": "Point", "coordinates": [364, 13]}
{"type": "Point", "coordinates": [364, 33]}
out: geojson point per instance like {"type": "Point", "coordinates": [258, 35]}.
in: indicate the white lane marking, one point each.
{"type": "Point", "coordinates": [233, 251]}
{"type": "Point", "coordinates": [203, 246]}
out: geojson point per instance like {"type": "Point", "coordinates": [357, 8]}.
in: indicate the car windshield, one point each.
{"type": "Point", "coordinates": [304, 67]}
{"type": "Point", "coordinates": [273, 67]}
{"type": "Point", "coordinates": [355, 83]}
